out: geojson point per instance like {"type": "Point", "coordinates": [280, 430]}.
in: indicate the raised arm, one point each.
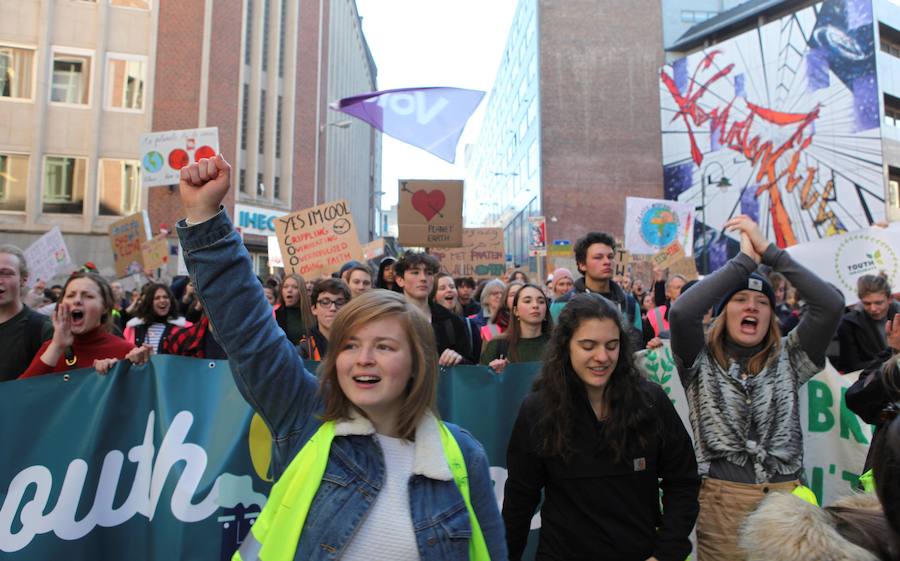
{"type": "Point", "coordinates": [265, 365]}
{"type": "Point", "coordinates": [824, 304]}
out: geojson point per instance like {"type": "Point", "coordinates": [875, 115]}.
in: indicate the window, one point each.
{"type": "Point", "coordinates": [243, 180]}
{"type": "Point", "coordinates": [126, 83]}
{"type": "Point", "coordinates": [120, 187]}
{"type": "Point", "coordinates": [248, 32]}
{"type": "Point", "coordinates": [137, 4]}
{"type": "Point", "coordinates": [696, 16]}
{"type": "Point", "coordinates": [276, 188]}
{"type": "Point", "coordinates": [245, 114]}
{"type": "Point", "coordinates": [532, 112]}
{"type": "Point", "coordinates": [15, 72]}
{"type": "Point", "coordinates": [260, 186]}
{"type": "Point", "coordinates": [64, 181]}
{"type": "Point", "coordinates": [262, 121]}
{"type": "Point", "coordinates": [891, 111]}
{"type": "Point", "coordinates": [13, 182]}
{"type": "Point", "coordinates": [71, 79]}
{"type": "Point", "coordinates": [278, 130]}
{"type": "Point", "coordinates": [265, 36]}
{"type": "Point", "coordinates": [281, 37]}
{"type": "Point", "coordinates": [534, 157]}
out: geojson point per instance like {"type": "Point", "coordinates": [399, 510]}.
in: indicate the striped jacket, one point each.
{"type": "Point", "coordinates": [727, 404]}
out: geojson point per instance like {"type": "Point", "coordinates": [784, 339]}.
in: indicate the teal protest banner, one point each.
{"type": "Point", "coordinates": [148, 463]}
{"type": "Point", "coordinates": [167, 461]}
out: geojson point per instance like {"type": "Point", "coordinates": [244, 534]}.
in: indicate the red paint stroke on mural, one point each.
{"type": "Point", "coordinates": [767, 158]}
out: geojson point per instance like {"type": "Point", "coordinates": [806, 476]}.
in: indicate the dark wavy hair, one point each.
{"type": "Point", "coordinates": [145, 309]}
{"type": "Point", "coordinates": [627, 404]}
{"type": "Point", "coordinates": [106, 295]}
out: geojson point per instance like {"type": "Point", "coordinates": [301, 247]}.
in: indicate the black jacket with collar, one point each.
{"type": "Point", "coordinates": [595, 507]}
{"type": "Point", "coordinates": [860, 340]}
{"type": "Point", "coordinates": [450, 332]}
{"type": "Point", "coordinates": [628, 306]}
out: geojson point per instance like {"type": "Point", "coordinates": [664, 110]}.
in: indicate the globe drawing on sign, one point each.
{"type": "Point", "coordinates": [153, 161]}
{"type": "Point", "coordinates": [659, 225]}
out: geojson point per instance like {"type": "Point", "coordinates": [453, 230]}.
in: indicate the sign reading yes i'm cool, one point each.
{"type": "Point", "coordinates": [318, 240]}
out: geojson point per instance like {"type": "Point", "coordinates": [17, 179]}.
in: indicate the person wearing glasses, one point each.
{"type": "Point", "coordinates": [328, 296]}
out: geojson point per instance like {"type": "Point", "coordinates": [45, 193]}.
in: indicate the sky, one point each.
{"type": "Point", "coordinates": [419, 43]}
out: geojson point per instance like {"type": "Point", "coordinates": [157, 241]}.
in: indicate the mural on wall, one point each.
{"type": "Point", "coordinates": [781, 123]}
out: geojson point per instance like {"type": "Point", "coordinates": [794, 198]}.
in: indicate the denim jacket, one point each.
{"type": "Point", "coordinates": [271, 377]}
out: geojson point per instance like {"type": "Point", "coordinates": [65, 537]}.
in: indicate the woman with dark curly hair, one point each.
{"type": "Point", "coordinates": [601, 442]}
{"type": "Point", "coordinates": [154, 319]}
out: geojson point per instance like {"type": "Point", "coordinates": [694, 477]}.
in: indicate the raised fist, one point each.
{"type": "Point", "coordinates": [203, 186]}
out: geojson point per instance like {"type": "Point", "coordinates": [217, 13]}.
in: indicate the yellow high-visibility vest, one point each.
{"type": "Point", "coordinates": [276, 533]}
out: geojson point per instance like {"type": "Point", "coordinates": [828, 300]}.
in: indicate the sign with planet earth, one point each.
{"type": "Point", "coordinates": [652, 225]}
{"type": "Point", "coordinates": [163, 154]}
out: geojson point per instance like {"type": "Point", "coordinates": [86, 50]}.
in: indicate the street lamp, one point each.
{"type": "Point", "coordinates": [708, 179]}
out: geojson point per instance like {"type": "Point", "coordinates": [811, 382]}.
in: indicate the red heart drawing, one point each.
{"type": "Point", "coordinates": [428, 203]}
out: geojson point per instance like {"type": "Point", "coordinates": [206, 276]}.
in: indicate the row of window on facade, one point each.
{"type": "Point", "coordinates": [136, 4]}
{"type": "Point", "coordinates": [64, 182]}
{"type": "Point", "coordinates": [70, 82]}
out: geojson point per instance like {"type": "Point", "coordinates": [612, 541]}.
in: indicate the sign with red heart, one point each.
{"type": "Point", "coordinates": [430, 213]}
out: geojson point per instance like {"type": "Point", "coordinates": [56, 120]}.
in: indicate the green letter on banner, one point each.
{"type": "Point", "coordinates": [821, 419]}
{"type": "Point", "coordinates": [850, 422]}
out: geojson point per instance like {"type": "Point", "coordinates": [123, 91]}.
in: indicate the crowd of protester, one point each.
{"type": "Point", "coordinates": [595, 439]}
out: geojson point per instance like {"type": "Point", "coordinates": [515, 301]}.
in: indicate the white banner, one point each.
{"type": "Point", "coordinates": [46, 255]}
{"type": "Point", "coordinates": [842, 259]}
{"type": "Point", "coordinates": [835, 440]}
{"type": "Point", "coordinates": [163, 154]}
{"type": "Point", "coordinates": [654, 224]}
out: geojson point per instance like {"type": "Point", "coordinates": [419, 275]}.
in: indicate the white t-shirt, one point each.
{"type": "Point", "coordinates": [387, 531]}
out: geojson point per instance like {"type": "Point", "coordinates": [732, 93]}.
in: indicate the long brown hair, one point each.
{"type": "Point", "coordinates": [422, 389]}
{"type": "Point", "coordinates": [514, 332]}
{"type": "Point", "coordinates": [457, 309]}
{"type": "Point", "coordinates": [715, 341]}
{"type": "Point", "coordinates": [306, 315]}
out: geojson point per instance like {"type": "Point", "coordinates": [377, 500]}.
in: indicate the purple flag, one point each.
{"type": "Point", "coordinates": [430, 118]}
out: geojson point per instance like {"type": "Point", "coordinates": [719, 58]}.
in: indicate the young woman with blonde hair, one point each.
{"type": "Point", "coordinates": [742, 382]}
{"type": "Point", "coordinates": [363, 467]}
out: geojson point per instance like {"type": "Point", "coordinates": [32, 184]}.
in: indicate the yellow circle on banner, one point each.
{"type": "Point", "coordinates": [260, 440]}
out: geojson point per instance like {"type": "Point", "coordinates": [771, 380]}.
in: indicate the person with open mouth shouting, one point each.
{"type": "Point", "coordinates": [363, 468]}
{"type": "Point", "coordinates": [81, 331]}
{"type": "Point", "coordinates": [742, 382]}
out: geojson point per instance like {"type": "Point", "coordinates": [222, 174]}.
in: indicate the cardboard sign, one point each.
{"type": "Point", "coordinates": [685, 267]}
{"type": "Point", "coordinates": [537, 243]}
{"type": "Point", "coordinates": [318, 240]}
{"type": "Point", "coordinates": [127, 237]}
{"type": "Point", "coordinates": [841, 260]}
{"type": "Point", "coordinates": [374, 249]}
{"type": "Point", "coordinates": [668, 256]}
{"type": "Point", "coordinates": [163, 154]}
{"type": "Point", "coordinates": [482, 255]}
{"type": "Point", "coordinates": [623, 260]}
{"type": "Point", "coordinates": [46, 255]}
{"type": "Point", "coordinates": [429, 213]}
{"type": "Point", "coordinates": [155, 253]}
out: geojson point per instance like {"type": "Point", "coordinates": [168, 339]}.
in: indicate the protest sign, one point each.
{"type": "Point", "coordinates": [275, 259]}
{"type": "Point", "coordinates": [668, 256]}
{"type": "Point", "coordinates": [155, 253]}
{"type": "Point", "coordinates": [374, 249]}
{"type": "Point", "coordinates": [686, 267]}
{"type": "Point", "coordinates": [560, 248]}
{"type": "Point", "coordinates": [537, 245]}
{"type": "Point", "coordinates": [163, 154]}
{"type": "Point", "coordinates": [46, 255]}
{"type": "Point", "coordinates": [127, 237]}
{"type": "Point", "coordinates": [318, 240]}
{"type": "Point", "coordinates": [842, 259]}
{"type": "Point", "coordinates": [481, 256]}
{"type": "Point", "coordinates": [181, 422]}
{"type": "Point", "coordinates": [654, 224]}
{"type": "Point", "coordinates": [171, 442]}
{"type": "Point", "coordinates": [429, 213]}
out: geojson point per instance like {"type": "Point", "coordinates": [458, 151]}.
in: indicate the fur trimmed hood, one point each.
{"type": "Point", "coordinates": [787, 527]}
{"type": "Point", "coordinates": [429, 460]}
